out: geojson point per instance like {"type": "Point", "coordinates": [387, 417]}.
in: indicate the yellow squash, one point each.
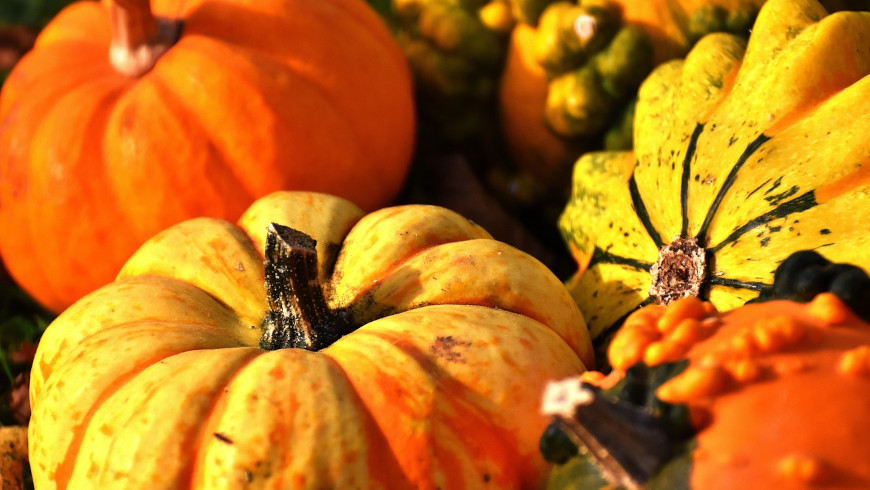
{"type": "Point", "coordinates": [744, 154]}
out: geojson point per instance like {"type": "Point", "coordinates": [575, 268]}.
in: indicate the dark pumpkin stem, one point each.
{"type": "Point", "coordinates": [298, 316]}
{"type": "Point", "coordinates": [628, 444]}
{"type": "Point", "coordinates": [138, 37]}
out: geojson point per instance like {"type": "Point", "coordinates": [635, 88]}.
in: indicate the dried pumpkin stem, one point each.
{"type": "Point", "coordinates": [138, 37]}
{"type": "Point", "coordinates": [628, 444]}
{"type": "Point", "coordinates": [298, 316]}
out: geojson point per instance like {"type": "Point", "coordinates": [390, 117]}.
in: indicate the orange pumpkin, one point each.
{"type": "Point", "coordinates": [195, 110]}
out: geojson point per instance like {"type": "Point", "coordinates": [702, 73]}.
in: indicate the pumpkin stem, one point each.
{"type": "Point", "coordinates": [138, 37]}
{"type": "Point", "coordinates": [298, 316]}
{"type": "Point", "coordinates": [628, 444]}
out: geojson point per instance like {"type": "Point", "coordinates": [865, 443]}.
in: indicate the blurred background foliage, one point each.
{"type": "Point", "coordinates": [20, 20]}
{"type": "Point", "coordinates": [22, 321]}
{"type": "Point", "coordinates": [31, 13]}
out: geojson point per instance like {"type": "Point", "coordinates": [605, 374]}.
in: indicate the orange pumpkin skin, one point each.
{"type": "Point", "coordinates": [156, 380]}
{"type": "Point", "coordinates": [254, 97]}
{"type": "Point", "coordinates": [779, 391]}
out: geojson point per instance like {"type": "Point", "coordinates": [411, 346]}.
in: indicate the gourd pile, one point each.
{"type": "Point", "coordinates": [231, 215]}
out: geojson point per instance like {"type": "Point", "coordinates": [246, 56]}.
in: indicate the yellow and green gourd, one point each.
{"type": "Point", "coordinates": [743, 154]}
{"type": "Point", "coordinates": [574, 67]}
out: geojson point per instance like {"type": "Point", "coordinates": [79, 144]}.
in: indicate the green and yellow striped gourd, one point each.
{"type": "Point", "coordinates": [743, 154]}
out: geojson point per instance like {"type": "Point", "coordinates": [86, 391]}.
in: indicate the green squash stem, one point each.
{"type": "Point", "coordinates": [298, 316]}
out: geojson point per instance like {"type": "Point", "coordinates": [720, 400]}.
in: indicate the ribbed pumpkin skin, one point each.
{"type": "Point", "coordinates": [256, 96]}
{"type": "Point", "coordinates": [758, 151]}
{"type": "Point", "coordinates": [156, 381]}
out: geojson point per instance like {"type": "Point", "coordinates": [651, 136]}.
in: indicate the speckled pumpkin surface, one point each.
{"type": "Point", "coordinates": [157, 381]}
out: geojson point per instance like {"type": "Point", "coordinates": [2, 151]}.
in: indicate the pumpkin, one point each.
{"type": "Point", "coordinates": [736, 399]}
{"type": "Point", "coordinates": [573, 71]}
{"type": "Point", "coordinates": [744, 154]}
{"type": "Point", "coordinates": [198, 108]}
{"type": "Point", "coordinates": [399, 348]}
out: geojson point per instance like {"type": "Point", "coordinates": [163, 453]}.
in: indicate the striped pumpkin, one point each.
{"type": "Point", "coordinates": [744, 153]}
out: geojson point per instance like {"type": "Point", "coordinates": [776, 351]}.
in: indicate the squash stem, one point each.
{"type": "Point", "coordinates": [628, 444]}
{"type": "Point", "coordinates": [138, 37]}
{"type": "Point", "coordinates": [298, 316]}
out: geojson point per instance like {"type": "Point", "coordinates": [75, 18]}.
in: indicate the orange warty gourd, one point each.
{"type": "Point", "coordinates": [127, 118]}
{"type": "Point", "coordinates": [401, 348]}
{"type": "Point", "coordinates": [776, 394]}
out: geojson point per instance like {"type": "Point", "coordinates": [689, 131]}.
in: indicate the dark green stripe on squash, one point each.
{"type": "Point", "coordinates": [751, 148]}
{"type": "Point", "coordinates": [642, 213]}
{"type": "Point", "coordinates": [684, 181]}
{"type": "Point", "coordinates": [797, 205]}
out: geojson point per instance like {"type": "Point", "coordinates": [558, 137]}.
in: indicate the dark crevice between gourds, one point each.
{"type": "Point", "coordinates": [298, 316]}
{"type": "Point", "coordinates": [139, 38]}
{"type": "Point", "coordinates": [623, 436]}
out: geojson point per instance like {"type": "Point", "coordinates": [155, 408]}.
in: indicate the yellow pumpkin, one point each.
{"type": "Point", "coordinates": [404, 347]}
{"type": "Point", "coordinates": [744, 154]}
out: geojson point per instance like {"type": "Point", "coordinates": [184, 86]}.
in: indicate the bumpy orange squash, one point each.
{"type": "Point", "coordinates": [775, 395]}
{"type": "Point", "coordinates": [163, 379]}
{"type": "Point", "coordinates": [118, 124]}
